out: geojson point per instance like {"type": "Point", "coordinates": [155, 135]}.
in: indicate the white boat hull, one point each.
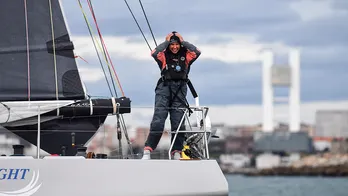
{"type": "Point", "coordinates": [109, 177]}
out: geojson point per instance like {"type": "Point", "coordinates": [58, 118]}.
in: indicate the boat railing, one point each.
{"type": "Point", "coordinates": [201, 128]}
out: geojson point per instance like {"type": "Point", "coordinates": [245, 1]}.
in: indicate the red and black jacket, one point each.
{"type": "Point", "coordinates": [175, 66]}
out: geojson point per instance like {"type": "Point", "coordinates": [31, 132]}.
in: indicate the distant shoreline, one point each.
{"type": "Point", "coordinates": [323, 171]}
{"type": "Point", "coordinates": [327, 164]}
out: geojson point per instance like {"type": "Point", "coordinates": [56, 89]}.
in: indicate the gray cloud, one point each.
{"type": "Point", "coordinates": [325, 60]}
{"type": "Point", "coordinates": [340, 4]}
{"type": "Point", "coordinates": [320, 33]}
{"type": "Point", "coordinates": [272, 19]}
{"type": "Point", "coordinates": [225, 15]}
{"type": "Point", "coordinates": [320, 86]}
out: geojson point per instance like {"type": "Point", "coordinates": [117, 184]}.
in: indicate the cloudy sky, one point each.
{"type": "Point", "coordinates": [230, 34]}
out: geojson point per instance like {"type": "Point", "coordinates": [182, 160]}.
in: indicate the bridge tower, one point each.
{"type": "Point", "coordinates": [281, 75]}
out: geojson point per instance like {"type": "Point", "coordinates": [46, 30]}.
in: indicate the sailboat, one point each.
{"type": "Point", "coordinates": [44, 102]}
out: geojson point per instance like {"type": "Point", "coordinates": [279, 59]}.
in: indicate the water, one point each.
{"type": "Point", "coordinates": [287, 186]}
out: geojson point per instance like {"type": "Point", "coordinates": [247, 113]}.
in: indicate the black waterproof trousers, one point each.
{"type": "Point", "coordinates": [164, 104]}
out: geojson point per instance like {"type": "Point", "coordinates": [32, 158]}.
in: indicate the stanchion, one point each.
{"type": "Point", "coordinates": [38, 132]}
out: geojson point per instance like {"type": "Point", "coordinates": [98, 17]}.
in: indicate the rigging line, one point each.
{"type": "Point", "coordinates": [8, 110]}
{"type": "Point", "coordinates": [126, 135]}
{"type": "Point", "coordinates": [54, 49]}
{"type": "Point", "coordinates": [91, 34]}
{"type": "Point", "coordinates": [105, 56]}
{"type": "Point", "coordinates": [148, 24]}
{"type": "Point", "coordinates": [122, 119]}
{"type": "Point", "coordinates": [102, 48]}
{"type": "Point", "coordinates": [27, 37]}
{"type": "Point", "coordinates": [96, 23]}
{"type": "Point", "coordinates": [138, 25]}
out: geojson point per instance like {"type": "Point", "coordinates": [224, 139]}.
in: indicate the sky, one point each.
{"type": "Point", "coordinates": [231, 36]}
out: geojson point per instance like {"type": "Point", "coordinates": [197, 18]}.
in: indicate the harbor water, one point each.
{"type": "Point", "coordinates": [287, 186]}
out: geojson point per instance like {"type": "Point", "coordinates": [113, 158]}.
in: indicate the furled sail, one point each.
{"type": "Point", "coordinates": [36, 63]}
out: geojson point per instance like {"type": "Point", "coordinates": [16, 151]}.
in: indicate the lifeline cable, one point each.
{"type": "Point", "coordinates": [138, 25]}
{"type": "Point", "coordinates": [148, 24]}
{"type": "Point", "coordinates": [91, 34]}
{"type": "Point", "coordinates": [101, 38]}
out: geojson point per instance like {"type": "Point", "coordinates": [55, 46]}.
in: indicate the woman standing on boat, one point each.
{"type": "Point", "coordinates": [174, 57]}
